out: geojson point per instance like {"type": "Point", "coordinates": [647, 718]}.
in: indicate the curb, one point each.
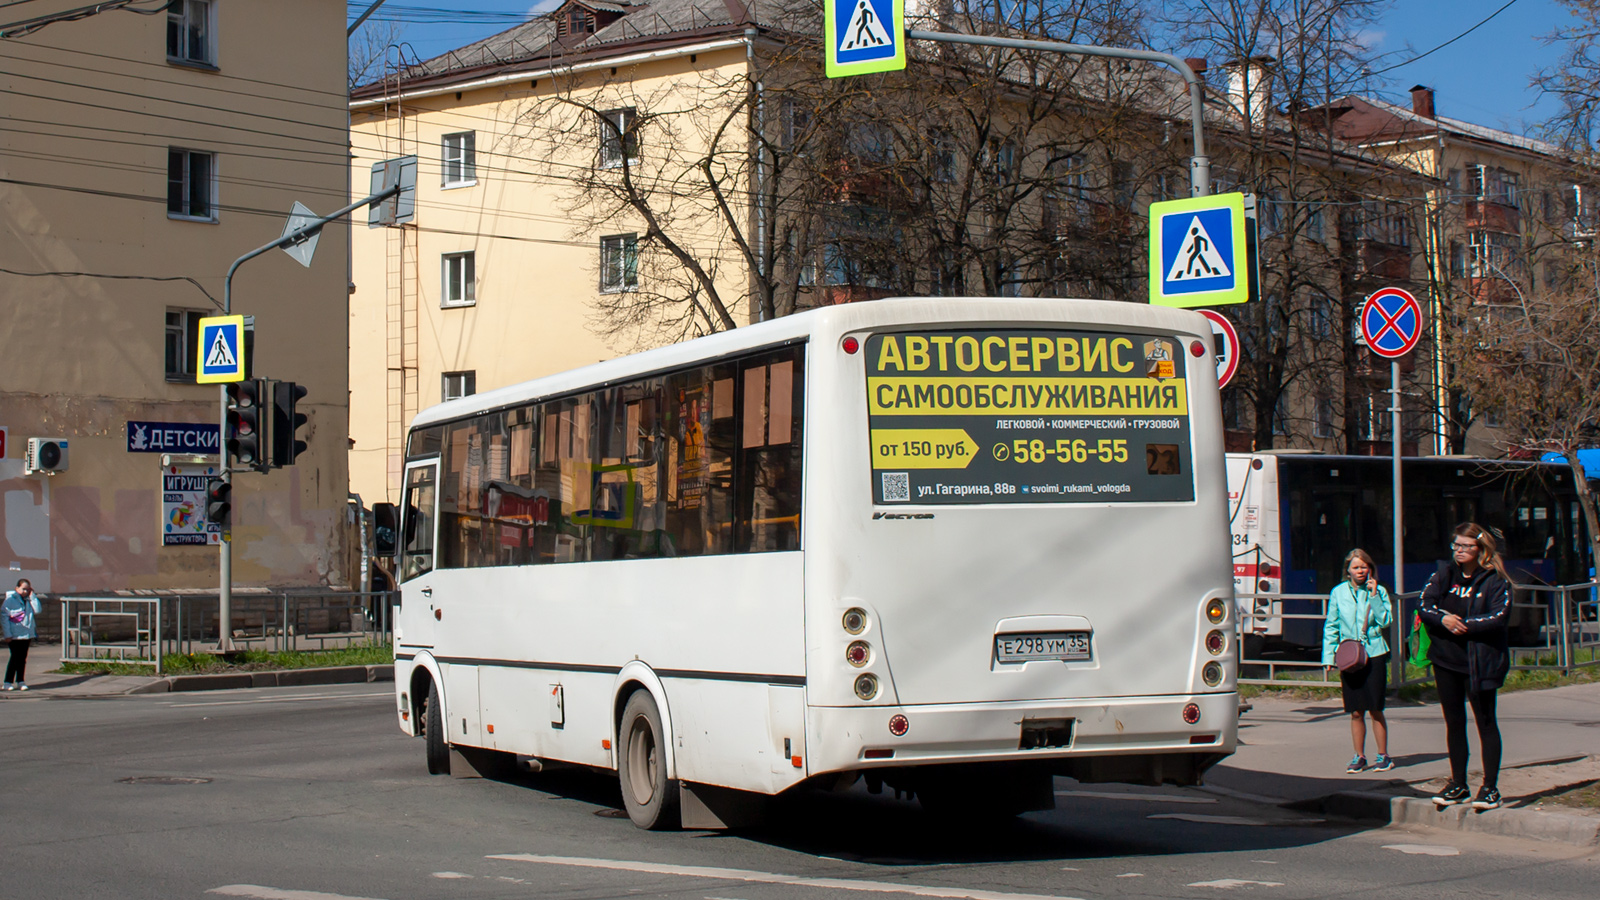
{"type": "Point", "coordinates": [280, 678]}
{"type": "Point", "coordinates": [1370, 806]}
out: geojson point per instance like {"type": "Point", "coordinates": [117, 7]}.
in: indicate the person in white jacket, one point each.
{"type": "Point", "coordinates": [17, 624]}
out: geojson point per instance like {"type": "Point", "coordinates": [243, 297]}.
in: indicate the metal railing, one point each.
{"type": "Point", "coordinates": [140, 630]}
{"type": "Point", "coordinates": [1552, 628]}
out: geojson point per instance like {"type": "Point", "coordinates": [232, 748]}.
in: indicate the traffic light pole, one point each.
{"type": "Point", "coordinates": [225, 472]}
{"type": "Point", "coordinates": [1199, 162]}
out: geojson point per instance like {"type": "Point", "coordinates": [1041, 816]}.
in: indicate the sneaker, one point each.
{"type": "Point", "coordinates": [8, 686]}
{"type": "Point", "coordinates": [1451, 795]}
{"type": "Point", "coordinates": [1382, 763]}
{"type": "Point", "coordinates": [1488, 798]}
{"type": "Point", "coordinates": [1357, 763]}
{"type": "Point", "coordinates": [22, 685]}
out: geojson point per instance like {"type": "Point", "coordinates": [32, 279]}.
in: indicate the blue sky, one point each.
{"type": "Point", "coordinates": [1482, 78]}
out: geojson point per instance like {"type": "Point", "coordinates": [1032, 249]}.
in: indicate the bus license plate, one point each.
{"type": "Point", "coordinates": [1066, 645]}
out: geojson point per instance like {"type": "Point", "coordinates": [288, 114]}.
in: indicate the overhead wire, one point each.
{"type": "Point", "coordinates": [1484, 21]}
{"type": "Point", "coordinates": [198, 286]}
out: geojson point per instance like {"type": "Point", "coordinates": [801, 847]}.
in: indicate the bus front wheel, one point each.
{"type": "Point", "coordinates": [433, 734]}
{"type": "Point", "coordinates": [650, 797]}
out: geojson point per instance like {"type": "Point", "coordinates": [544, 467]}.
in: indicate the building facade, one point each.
{"type": "Point", "coordinates": [140, 155]}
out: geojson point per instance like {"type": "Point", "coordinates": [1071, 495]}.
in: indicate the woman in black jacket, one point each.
{"type": "Point", "coordinates": [1464, 607]}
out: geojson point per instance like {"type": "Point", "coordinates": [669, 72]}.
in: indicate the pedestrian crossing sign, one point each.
{"type": "Point", "coordinates": [221, 350]}
{"type": "Point", "coordinates": [862, 36]}
{"type": "Point", "coordinates": [1198, 251]}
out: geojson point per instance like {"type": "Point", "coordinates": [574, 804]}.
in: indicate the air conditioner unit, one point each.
{"type": "Point", "coordinates": [47, 455]}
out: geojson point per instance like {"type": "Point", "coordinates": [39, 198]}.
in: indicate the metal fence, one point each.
{"type": "Point", "coordinates": [1552, 627]}
{"type": "Point", "coordinates": [141, 629]}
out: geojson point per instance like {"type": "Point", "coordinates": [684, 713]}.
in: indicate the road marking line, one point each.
{"type": "Point", "coordinates": [451, 875]}
{"type": "Point", "coordinates": [1229, 884]}
{"type": "Point", "coordinates": [267, 893]}
{"type": "Point", "coordinates": [839, 884]}
{"type": "Point", "coordinates": [1131, 875]}
{"type": "Point", "coordinates": [1424, 849]}
{"type": "Point", "coordinates": [1232, 820]}
{"type": "Point", "coordinates": [1152, 798]}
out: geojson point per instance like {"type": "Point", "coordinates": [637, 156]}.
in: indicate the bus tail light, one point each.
{"type": "Point", "coordinates": [858, 654]}
{"type": "Point", "coordinates": [1191, 712]}
{"type": "Point", "coordinates": [866, 686]}
{"type": "Point", "coordinates": [1216, 643]}
{"type": "Point", "coordinates": [1211, 675]}
{"type": "Point", "coordinates": [851, 345]}
{"type": "Point", "coordinates": [1216, 610]}
{"type": "Point", "coordinates": [878, 754]}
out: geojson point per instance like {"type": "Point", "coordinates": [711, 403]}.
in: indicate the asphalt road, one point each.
{"type": "Point", "coordinates": [312, 794]}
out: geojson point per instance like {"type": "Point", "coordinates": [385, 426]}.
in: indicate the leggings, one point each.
{"type": "Point", "coordinates": [19, 662]}
{"type": "Point", "coordinates": [1453, 693]}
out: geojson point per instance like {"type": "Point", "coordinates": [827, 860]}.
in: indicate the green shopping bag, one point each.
{"type": "Point", "coordinates": [1419, 643]}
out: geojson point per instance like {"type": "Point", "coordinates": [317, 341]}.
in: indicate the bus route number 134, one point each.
{"type": "Point", "coordinates": [1066, 450]}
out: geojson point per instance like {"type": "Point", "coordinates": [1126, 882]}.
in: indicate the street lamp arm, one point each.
{"type": "Point", "coordinates": [294, 237]}
{"type": "Point", "coordinates": [1199, 163]}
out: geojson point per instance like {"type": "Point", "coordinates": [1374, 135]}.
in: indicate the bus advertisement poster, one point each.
{"type": "Point", "coordinates": [1027, 416]}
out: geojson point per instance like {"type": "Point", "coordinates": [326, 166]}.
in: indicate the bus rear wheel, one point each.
{"type": "Point", "coordinates": [650, 797]}
{"type": "Point", "coordinates": [438, 750]}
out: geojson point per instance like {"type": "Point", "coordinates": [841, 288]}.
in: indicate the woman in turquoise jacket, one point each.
{"type": "Point", "coordinates": [17, 626]}
{"type": "Point", "coordinates": [1359, 610]}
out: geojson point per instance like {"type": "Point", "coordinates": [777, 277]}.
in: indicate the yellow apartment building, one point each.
{"type": "Point", "coordinates": [497, 280]}
{"type": "Point", "coordinates": [140, 154]}
{"type": "Point", "coordinates": [1500, 211]}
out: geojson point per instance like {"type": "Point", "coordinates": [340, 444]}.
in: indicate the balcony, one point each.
{"type": "Point", "coordinates": [1487, 215]}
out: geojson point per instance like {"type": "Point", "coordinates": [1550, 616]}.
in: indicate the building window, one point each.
{"type": "Point", "coordinates": [1316, 224]}
{"type": "Point", "coordinates": [182, 344]}
{"type": "Point", "coordinates": [1321, 326]}
{"type": "Point", "coordinates": [1232, 410]}
{"type": "Point", "coordinates": [460, 159]}
{"type": "Point", "coordinates": [1386, 223]}
{"type": "Point", "coordinates": [191, 185]}
{"type": "Point", "coordinates": [796, 123]}
{"type": "Point", "coordinates": [459, 273]}
{"type": "Point", "coordinates": [942, 148]}
{"type": "Point", "coordinates": [619, 138]}
{"type": "Point", "coordinates": [619, 263]}
{"type": "Point", "coordinates": [1322, 426]}
{"type": "Point", "coordinates": [1280, 415]}
{"type": "Point", "coordinates": [1458, 260]}
{"type": "Point", "coordinates": [191, 32]}
{"type": "Point", "coordinates": [458, 384]}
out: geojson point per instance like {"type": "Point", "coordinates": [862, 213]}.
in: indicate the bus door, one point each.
{"type": "Point", "coordinates": [1332, 523]}
{"type": "Point", "coordinates": [420, 530]}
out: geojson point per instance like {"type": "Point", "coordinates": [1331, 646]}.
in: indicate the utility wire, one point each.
{"type": "Point", "coordinates": [197, 285]}
{"type": "Point", "coordinates": [1485, 21]}
{"type": "Point", "coordinates": [29, 26]}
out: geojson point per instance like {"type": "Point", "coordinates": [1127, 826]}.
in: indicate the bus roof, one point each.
{"type": "Point", "coordinates": [830, 320]}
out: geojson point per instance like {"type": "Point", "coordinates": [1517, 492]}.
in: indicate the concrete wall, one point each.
{"type": "Point", "coordinates": [95, 106]}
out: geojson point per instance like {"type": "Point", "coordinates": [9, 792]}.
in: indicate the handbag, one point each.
{"type": "Point", "coordinates": [1420, 642]}
{"type": "Point", "coordinates": [1352, 655]}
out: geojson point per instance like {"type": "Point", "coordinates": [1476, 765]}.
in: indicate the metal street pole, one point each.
{"type": "Point", "coordinates": [225, 550]}
{"type": "Point", "coordinates": [1398, 660]}
{"type": "Point", "coordinates": [1199, 163]}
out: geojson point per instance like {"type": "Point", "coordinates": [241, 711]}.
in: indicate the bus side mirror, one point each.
{"type": "Point", "coordinates": [384, 528]}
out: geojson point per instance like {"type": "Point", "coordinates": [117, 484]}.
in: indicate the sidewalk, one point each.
{"type": "Point", "coordinates": [58, 685]}
{"type": "Point", "coordinates": [1295, 752]}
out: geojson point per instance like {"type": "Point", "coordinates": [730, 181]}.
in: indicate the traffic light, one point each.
{"type": "Point", "coordinates": [245, 423]}
{"type": "Point", "coordinates": [219, 501]}
{"type": "Point", "coordinates": [286, 443]}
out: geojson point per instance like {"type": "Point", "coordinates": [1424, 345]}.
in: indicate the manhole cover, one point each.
{"type": "Point", "coordinates": [162, 779]}
{"type": "Point", "coordinates": [611, 813]}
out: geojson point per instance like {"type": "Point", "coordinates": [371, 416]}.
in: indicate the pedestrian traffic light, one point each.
{"type": "Point", "coordinates": [286, 442]}
{"type": "Point", "coordinates": [245, 423]}
{"type": "Point", "coordinates": [219, 501]}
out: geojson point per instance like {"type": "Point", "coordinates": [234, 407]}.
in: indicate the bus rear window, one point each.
{"type": "Point", "coordinates": [1028, 416]}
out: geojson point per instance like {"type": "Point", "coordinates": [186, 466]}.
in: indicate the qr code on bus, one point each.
{"type": "Point", "coordinates": [896, 487]}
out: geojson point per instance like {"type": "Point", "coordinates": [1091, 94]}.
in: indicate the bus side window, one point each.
{"type": "Point", "coordinates": [419, 513]}
{"type": "Point", "coordinates": [768, 495]}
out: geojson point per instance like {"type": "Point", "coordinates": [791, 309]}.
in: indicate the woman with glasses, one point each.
{"type": "Point", "coordinates": [1464, 608]}
{"type": "Point", "coordinates": [1359, 611]}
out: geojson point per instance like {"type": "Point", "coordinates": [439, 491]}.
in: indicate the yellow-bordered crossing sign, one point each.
{"type": "Point", "coordinates": [862, 36]}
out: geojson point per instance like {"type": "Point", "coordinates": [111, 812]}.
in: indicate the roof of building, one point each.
{"type": "Point", "coordinates": [1367, 120]}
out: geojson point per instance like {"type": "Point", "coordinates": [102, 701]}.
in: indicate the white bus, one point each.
{"type": "Point", "coordinates": [957, 546]}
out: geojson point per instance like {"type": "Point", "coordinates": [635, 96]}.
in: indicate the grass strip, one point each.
{"type": "Point", "coordinates": [242, 661]}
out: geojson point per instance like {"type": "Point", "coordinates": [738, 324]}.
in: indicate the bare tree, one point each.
{"type": "Point", "coordinates": [369, 47]}
{"type": "Point", "coordinates": [1532, 367]}
{"type": "Point", "coordinates": [1329, 235]}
